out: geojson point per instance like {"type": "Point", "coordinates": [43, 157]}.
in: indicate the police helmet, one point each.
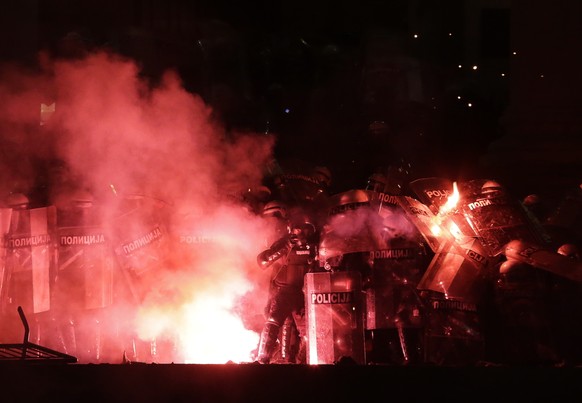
{"type": "Point", "coordinates": [274, 208]}
{"type": "Point", "coordinates": [261, 193]}
{"type": "Point", "coordinates": [82, 198]}
{"type": "Point", "coordinates": [377, 182]}
{"type": "Point", "coordinates": [17, 201]}
{"type": "Point", "coordinates": [569, 250]}
{"type": "Point", "coordinates": [532, 200]}
{"type": "Point", "coordinates": [303, 224]}
{"type": "Point", "coordinates": [491, 186]}
{"type": "Point", "coordinates": [350, 197]}
{"type": "Point", "coordinates": [322, 175]}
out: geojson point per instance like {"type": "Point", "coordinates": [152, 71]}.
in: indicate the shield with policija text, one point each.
{"type": "Point", "coordinates": [5, 214]}
{"type": "Point", "coordinates": [433, 192]}
{"type": "Point", "coordinates": [459, 269]}
{"type": "Point", "coordinates": [335, 317]}
{"type": "Point", "coordinates": [396, 268]}
{"type": "Point", "coordinates": [30, 260]}
{"type": "Point", "coordinates": [141, 243]}
{"type": "Point", "coordinates": [84, 268]}
{"type": "Point", "coordinates": [193, 239]}
{"type": "Point", "coordinates": [391, 296]}
{"type": "Point", "coordinates": [353, 225]}
{"type": "Point", "coordinates": [496, 217]}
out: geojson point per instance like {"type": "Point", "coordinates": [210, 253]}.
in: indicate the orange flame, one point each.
{"type": "Point", "coordinates": [444, 210]}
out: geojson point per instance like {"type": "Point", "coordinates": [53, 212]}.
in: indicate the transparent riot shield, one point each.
{"type": "Point", "coordinates": [423, 218]}
{"type": "Point", "coordinates": [193, 239]}
{"type": "Point", "coordinates": [84, 268]}
{"type": "Point", "coordinates": [497, 218]}
{"type": "Point", "coordinates": [82, 292]}
{"type": "Point", "coordinates": [29, 271]}
{"type": "Point", "coordinates": [454, 331]}
{"type": "Point", "coordinates": [434, 192]}
{"type": "Point", "coordinates": [30, 260]}
{"type": "Point", "coordinates": [456, 278]}
{"type": "Point", "coordinates": [5, 214]}
{"type": "Point", "coordinates": [335, 317]}
{"type": "Point", "coordinates": [141, 243]}
{"type": "Point", "coordinates": [353, 225]}
{"type": "Point", "coordinates": [458, 270]}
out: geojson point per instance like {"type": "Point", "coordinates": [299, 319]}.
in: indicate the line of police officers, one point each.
{"type": "Point", "coordinates": [499, 285]}
{"type": "Point", "coordinates": [416, 298]}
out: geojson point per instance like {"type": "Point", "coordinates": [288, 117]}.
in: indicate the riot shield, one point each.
{"type": "Point", "coordinates": [193, 238]}
{"type": "Point", "coordinates": [5, 215]}
{"type": "Point", "coordinates": [141, 244]}
{"type": "Point", "coordinates": [335, 318]}
{"type": "Point", "coordinates": [423, 219]}
{"type": "Point", "coordinates": [391, 295]}
{"type": "Point", "coordinates": [84, 268]}
{"type": "Point", "coordinates": [396, 267]}
{"type": "Point", "coordinates": [433, 192]}
{"type": "Point", "coordinates": [453, 333]}
{"type": "Point", "coordinates": [496, 218]}
{"type": "Point", "coordinates": [30, 260]}
{"type": "Point", "coordinates": [459, 270]}
{"type": "Point", "coordinates": [353, 225]}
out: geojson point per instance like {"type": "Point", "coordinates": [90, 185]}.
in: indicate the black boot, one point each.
{"type": "Point", "coordinates": [267, 342]}
{"type": "Point", "coordinates": [289, 342]}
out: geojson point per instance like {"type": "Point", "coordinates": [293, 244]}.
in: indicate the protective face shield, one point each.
{"type": "Point", "coordinates": [301, 230]}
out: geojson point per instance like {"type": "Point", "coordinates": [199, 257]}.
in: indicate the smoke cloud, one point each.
{"type": "Point", "coordinates": [120, 136]}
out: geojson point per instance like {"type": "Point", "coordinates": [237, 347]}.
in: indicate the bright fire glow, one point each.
{"type": "Point", "coordinates": [206, 329]}
{"type": "Point", "coordinates": [212, 334]}
{"type": "Point", "coordinates": [445, 209]}
{"type": "Point", "coordinates": [199, 306]}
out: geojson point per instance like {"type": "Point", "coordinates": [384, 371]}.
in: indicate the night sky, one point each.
{"type": "Point", "coordinates": [355, 86]}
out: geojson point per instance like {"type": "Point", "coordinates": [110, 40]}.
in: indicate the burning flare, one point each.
{"type": "Point", "coordinates": [444, 211]}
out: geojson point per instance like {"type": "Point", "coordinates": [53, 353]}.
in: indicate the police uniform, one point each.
{"type": "Point", "coordinates": [290, 257]}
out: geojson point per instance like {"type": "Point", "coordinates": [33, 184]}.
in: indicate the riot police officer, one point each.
{"type": "Point", "coordinates": [290, 257]}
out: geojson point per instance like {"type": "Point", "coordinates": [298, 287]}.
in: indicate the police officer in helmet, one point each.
{"type": "Point", "coordinates": [290, 257]}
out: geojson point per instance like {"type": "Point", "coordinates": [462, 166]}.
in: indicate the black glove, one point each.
{"type": "Point", "coordinates": [279, 249]}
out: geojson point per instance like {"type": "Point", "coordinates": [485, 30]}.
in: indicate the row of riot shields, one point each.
{"type": "Point", "coordinates": [401, 279]}
{"type": "Point", "coordinates": [405, 280]}
{"type": "Point", "coordinates": [75, 272]}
